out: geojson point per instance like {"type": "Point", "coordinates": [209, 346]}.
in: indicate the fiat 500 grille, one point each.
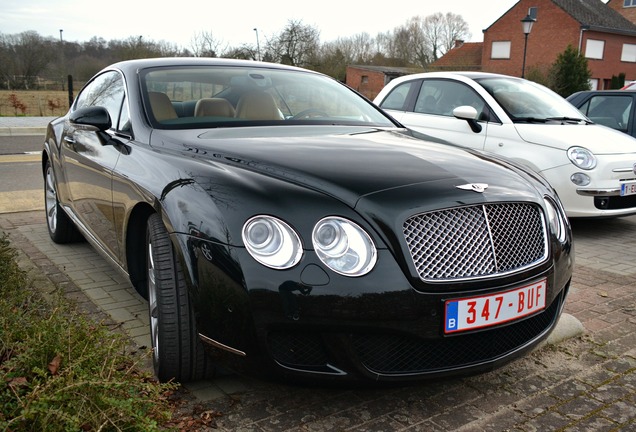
{"type": "Point", "coordinates": [476, 241]}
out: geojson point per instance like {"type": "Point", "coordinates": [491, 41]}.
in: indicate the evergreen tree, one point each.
{"type": "Point", "coordinates": [570, 72]}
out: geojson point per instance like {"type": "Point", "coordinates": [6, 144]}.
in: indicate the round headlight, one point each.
{"type": "Point", "coordinates": [272, 242]}
{"type": "Point", "coordinates": [556, 220]}
{"type": "Point", "coordinates": [344, 247]}
{"type": "Point", "coordinates": [582, 158]}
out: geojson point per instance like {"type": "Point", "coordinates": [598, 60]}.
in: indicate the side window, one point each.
{"type": "Point", "coordinates": [106, 90]}
{"type": "Point", "coordinates": [397, 98]}
{"type": "Point", "coordinates": [441, 97]}
{"type": "Point", "coordinates": [612, 111]}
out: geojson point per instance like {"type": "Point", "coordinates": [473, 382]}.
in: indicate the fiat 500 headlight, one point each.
{"type": "Point", "coordinates": [272, 242]}
{"type": "Point", "coordinates": [343, 246]}
{"type": "Point", "coordinates": [582, 158]}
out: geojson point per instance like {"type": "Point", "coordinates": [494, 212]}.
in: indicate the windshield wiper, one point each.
{"type": "Point", "coordinates": [569, 119]}
{"type": "Point", "coordinates": [529, 120]}
{"type": "Point", "coordinates": [549, 119]}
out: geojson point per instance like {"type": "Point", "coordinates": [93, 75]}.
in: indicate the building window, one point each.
{"type": "Point", "coordinates": [594, 49]}
{"type": "Point", "coordinates": [629, 53]}
{"type": "Point", "coordinates": [629, 3]}
{"type": "Point", "coordinates": [501, 50]}
{"type": "Point", "coordinates": [593, 84]}
{"type": "Point", "coordinates": [365, 79]}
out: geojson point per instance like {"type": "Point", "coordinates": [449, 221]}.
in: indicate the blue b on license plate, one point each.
{"type": "Point", "coordinates": [477, 312]}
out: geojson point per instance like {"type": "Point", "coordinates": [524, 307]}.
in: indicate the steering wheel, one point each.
{"type": "Point", "coordinates": [308, 113]}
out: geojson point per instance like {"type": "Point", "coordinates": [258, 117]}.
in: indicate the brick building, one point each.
{"type": "Point", "coordinates": [603, 35]}
{"type": "Point", "coordinates": [627, 8]}
{"type": "Point", "coordinates": [369, 80]}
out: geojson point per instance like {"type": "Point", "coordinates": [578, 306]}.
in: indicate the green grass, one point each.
{"type": "Point", "coordinates": [61, 371]}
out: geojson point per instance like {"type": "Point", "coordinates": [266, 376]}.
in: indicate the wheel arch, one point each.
{"type": "Point", "coordinates": [135, 245]}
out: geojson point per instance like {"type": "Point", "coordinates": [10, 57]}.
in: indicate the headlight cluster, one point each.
{"type": "Point", "coordinates": [340, 244]}
{"type": "Point", "coordinates": [343, 246]}
{"type": "Point", "coordinates": [582, 158]}
{"type": "Point", "coordinates": [272, 242]}
{"type": "Point", "coordinates": [556, 219]}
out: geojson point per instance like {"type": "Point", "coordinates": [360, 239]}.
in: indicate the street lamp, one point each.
{"type": "Point", "coordinates": [61, 30]}
{"type": "Point", "coordinates": [258, 46]}
{"type": "Point", "coordinates": [527, 24]}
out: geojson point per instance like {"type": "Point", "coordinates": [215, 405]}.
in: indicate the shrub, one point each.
{"type": "Point", "coordinates": [61, 371]}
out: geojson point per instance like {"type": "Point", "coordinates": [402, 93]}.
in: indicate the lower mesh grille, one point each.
{"type": "Point", "coordinates": [297, 350]}
{"type": "Point", "coordinates": [392, 354]}
{"type": "Point", "coordinates": [388, 354]}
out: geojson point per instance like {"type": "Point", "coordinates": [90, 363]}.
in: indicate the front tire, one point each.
{"type": "Point", "coordinates": [177, 350]}
{"type": "Point", "coordinates": [61, 228]}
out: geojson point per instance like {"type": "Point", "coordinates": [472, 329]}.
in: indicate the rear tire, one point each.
{"type": "Point", "coordinates": [61, 228]}
{"type": "Point", "coordinates": [177, 350]}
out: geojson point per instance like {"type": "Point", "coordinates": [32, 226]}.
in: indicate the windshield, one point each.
{"type": "Point", "coordinates": [527, 101]}
{"type": "Point", "coordinates": [221, 96]}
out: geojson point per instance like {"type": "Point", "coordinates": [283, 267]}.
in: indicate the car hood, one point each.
{"type": "Point", "coordinates": [351, 163]}
{"type": "Point", "coordinates": [596, 138]}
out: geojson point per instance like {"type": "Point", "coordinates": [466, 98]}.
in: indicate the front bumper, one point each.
{"type": "Point", "coordinates": [601, 198]}
{"type": "Point", "coordinates": [373, 328]}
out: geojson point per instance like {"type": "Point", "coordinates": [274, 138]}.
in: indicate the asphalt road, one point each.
{"type": "Point", "coordinates": [11, 145]}
{"type": "Point", "coordinates": [21, 183]}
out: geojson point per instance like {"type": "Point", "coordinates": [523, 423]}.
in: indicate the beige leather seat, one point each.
{"type": "Point", "coordinates": [258, 106]}
{"type": "Point", "coordinates": [214, 107]}
{"type": "Point", "coordinates": [161, 106]}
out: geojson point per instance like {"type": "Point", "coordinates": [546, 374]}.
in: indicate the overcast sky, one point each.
{"type": "Point", "coordinates": [232, 22]}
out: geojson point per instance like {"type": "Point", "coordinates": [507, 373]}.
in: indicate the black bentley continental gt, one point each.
{"type": "Point", "coordinates": [280, 223]}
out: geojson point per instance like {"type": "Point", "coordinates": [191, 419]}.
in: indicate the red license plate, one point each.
{"type": "Point", "coordinates": [484, 311]}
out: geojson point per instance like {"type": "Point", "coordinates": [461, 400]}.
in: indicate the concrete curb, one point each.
{"type": "Point", "coordinates": [22, 131]}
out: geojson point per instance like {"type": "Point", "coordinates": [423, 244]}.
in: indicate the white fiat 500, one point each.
{"type": "Point", "coordinates": [591, 167]}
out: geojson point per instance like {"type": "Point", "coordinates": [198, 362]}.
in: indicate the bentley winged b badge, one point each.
{"type": "Point", "coordinates": [477, 187]}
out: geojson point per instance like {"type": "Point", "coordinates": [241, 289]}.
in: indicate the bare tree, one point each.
{"type": "Point", "coordinates": [455, 28]}
{"type": "Point", "coordinates": [204, 44]}
{"type": "Point", "coordinates": [23, 57]}
{"type": "Point", "coordinates": [441, 32]}
{"type": "Point", "coordinates": [420, 53]}
{"type": "Point", "coordinates": [362, 48]}
{"type": "Point", "coordinates": [296, 45]}
{"type": "Point", "coordinates": [244, 52]}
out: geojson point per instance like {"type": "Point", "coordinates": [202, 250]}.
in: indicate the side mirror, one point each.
{"type": "Point", "coordinates": [468, 113]}
{"type": "Point", "coordinates": [96, 116]}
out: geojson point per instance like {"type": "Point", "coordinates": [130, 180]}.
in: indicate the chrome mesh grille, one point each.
{"type": "Point", "coordinates": [477, 241]}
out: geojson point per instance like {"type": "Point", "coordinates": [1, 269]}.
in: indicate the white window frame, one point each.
{"type": "Point", "coordinates": [594, 49]}
{"type": "Point", "coordinates": [629, 3]}
{"type": "Point", "coordinates": [593, 83]}
{"type": "Point", "coordinates": [629, 53]}
{"type": "Point", "coordinates": [500, 50]}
